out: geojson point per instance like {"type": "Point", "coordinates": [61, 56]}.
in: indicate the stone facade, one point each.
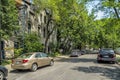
{"type": "Point", "coordinates": [30, 22]}
{"type": "Point", "coordinates": [36, 22]}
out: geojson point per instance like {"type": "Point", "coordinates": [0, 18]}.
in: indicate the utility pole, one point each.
{"type": "Point", "coordinates": [0, 33]}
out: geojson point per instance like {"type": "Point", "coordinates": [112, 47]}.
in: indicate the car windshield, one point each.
{"type": "Point", "coordinates": [103, 51]}
{"type": "Point", "coordinates": [74, 52]}
{"type": "Point", "coordinates": [25, 56]}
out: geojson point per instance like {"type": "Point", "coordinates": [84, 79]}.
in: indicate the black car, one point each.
{"type": "Point", "coordinates": [106, 54]}
{"type": "Point", "coordinates": [3, 72]}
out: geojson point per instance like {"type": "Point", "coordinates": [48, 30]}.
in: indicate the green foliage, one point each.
{"type": "Point", "coordinates": [6, 62]}
{"type": "Point", "coordinates": [32, 43]}
{"type": "Point", "coordinates": [56, 54]}
{"type": "Point", "coordinates": [9, 18]}
{"type": "Point", "coordinates": [18, 52]}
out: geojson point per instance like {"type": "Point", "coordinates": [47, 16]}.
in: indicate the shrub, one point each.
{"type": "Point", "coordinates": [32, 43]}
{"type": "Point", "coordinates": [17, 52]}
{"type": "Point", "coordinates": [55, 54]}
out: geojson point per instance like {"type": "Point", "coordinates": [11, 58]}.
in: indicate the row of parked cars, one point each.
{"type": "Point", "coordinates": [77, 52]}
{"type": "Point", "coordinates": [105, 54]}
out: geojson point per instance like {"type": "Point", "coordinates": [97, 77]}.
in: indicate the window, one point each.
{"type": "Point", "coordinates": [44, 55]}
{"type": "Point", "coordinates": [44, 33]}
{"type": "Point", "coordinates": [25, 55]}
{"type": "Point", "coordinates": [45, 20]}
{"type": "Point", "coordinates": [39, 30]}
{"type": "Point", "coordinates": [37, 55]}
{"type": "Point", "coordinates": [41, 18]}
{"type": "Point", "coordinates": [29, 28]}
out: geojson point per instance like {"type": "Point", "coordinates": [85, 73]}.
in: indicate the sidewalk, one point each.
{"type": "Point", "coordinates": [8, 67]}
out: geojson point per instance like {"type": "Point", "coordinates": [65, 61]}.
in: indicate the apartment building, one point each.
{"type": "Point", "coordinates": [40, 22]}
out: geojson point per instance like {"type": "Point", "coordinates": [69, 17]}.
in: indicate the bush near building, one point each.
{"type": "Point", "coordinates": [32, 43]}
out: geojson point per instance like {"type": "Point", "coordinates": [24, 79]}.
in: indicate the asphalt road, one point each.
{"type": "Point", "coordinates": [84, 67]}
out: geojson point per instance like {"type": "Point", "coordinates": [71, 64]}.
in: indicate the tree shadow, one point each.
{"type": "Point", "coordinates": [76, 60]}
{"type": "Point", "coordinates": [20, 71]}
{"type": "Point", "coordinates": [26, 71]}
{"type": "Point", "coordinates": [111, 73]}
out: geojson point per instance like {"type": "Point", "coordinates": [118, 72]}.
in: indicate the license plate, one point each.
{"type": "Point", "coordinates": [17, 62]}
{"type": "Point", "coordinates": [106, 56]}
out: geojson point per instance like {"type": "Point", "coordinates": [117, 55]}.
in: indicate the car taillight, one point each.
{"type": "Point", "coordinates": [24, 61]}
{"type": "Point", "coordinates": [99, 55]}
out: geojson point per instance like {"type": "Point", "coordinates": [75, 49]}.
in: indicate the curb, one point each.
{"type": "Point", "coordinates": [8, 67]}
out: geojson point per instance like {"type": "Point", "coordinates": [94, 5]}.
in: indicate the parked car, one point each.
{"type": "Point", "coordinates": [32, 61]}
{"type": "Point", "coordinates": [106, 54]}
{"type": "Point", "coordinates": [3, 72]}
{"type": "Point", "coordinates": [83, 52]}
{"type": "Point", "coordinates": [75, 53]}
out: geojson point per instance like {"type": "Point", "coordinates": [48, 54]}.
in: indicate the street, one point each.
{"type": "Point", "coordinates": [84, 67]}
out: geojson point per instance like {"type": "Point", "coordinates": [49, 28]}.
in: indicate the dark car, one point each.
{"type": "Point", "coordinates": [3, 73]}
{"type": "Point", "coordinates": [83, 52]}
{"type": "Point", "coordinates": [75, 53]}
{"type": "Point", "coordinates": [106, 55]}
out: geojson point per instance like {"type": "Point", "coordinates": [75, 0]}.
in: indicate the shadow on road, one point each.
{"type": "Point", "coordinates": [111, 73]}
{"type": "Point", "coordinates": [76, 60]}
{"type": "Point", "coordinates": [26, 71]}
{"type": "Point", "coordinates": [19, 71]}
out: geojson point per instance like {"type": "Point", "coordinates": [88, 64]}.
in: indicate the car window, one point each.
{"type": "Point", "coordinates": [74, 52]}
{"type": "Point", "coordinates": [44, 55]}
{"type": "Point", "coordinates": [25, 56]}
{"type": "Point", "coordinates": [38, 55]}
{"type": "Point", "coordinates": [106, 51]}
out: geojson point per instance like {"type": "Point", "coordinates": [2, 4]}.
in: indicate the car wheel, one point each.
{"type": "Point", "coordinates": [113, 62]}
{"type": "Point", "coordinates": [34, 67]}
{"type": "Point", "coordinates": [51, 63]}
{"type": "Point", "coordinates": [1, 75]}
{"type": "Point", "coordinates": [98, 61]}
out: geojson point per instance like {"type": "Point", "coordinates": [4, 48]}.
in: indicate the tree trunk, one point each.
{"type": "Point", "coordinates": [49, 32]}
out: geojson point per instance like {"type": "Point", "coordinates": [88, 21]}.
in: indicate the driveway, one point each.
{"type": "Point", "coordinates": [84, 67]}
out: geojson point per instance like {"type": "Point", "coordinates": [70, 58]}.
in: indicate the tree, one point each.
{"type": "Point", "coordinates": [50, 6]}
{"type": "Point", "coordinates": [32, 43]}
{"type": "Point", "coordinates": [8, 21]}
{"type": "Point", "coordinates": [9, 17]}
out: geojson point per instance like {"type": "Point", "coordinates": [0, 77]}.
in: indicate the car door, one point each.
{"type": "Point", "coordinates": [46, 59]}
{"type": "Point", "coordinates": [40, 61]}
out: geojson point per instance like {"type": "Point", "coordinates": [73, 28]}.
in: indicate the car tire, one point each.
{"type": "Point", "coordinates": [98, 61]}
{"type": "Point", "coordinates": [113, 62]}
{"type": "Point", "coordinates": [1, 75]}
{"type": "Point", "coordinates": [34, 67]}
{"type": "Point", "coordinates": [18, 70]}
{"type": "Point", "coordinates": [51, 63]}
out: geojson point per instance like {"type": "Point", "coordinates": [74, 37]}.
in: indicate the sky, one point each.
{"type": "Point", "coordinates": [91, 5]}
